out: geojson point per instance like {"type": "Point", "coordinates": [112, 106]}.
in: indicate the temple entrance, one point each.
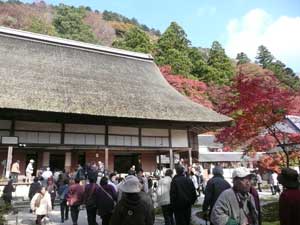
{"type": "Point", "coordinates": [81, 159]}
{"type": "Point", "coordinates": [57, 162]}
{"type": "Point", "coordinates": [123, 162]}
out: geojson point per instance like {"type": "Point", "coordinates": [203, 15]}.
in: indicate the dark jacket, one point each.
{"type": "Point", "coordinates": [289, 207]}
{"type": "Point", "coordinates": [133, 209]}
{"type": "Point", "coordinates": [214, 187]}
{"type": "Point", "coordinates": [90, 195]}
{"type": "Point", "coordinates": [255, 195]}
{"type": "Point", "coordinates": [80, 174]}
{"type": "Point", "coordinates": [182, 193]}
{"type": "Point", "coordinates": [63, 192]}
{"type": "Point", "coordinates": [34, 188]}
{"type": "Point", "coordinates": [52, 190]}
{"type": "Point", "coordinates": [7, 192]}
{"type": "Point", "coordinates": [106, 198]}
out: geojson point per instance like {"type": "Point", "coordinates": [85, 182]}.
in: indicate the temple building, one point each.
{"type": "Point", "coordinates": [64, 103]}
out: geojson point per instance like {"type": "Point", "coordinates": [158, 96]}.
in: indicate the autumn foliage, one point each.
{"type": "Point", "coordinates": [257, 102]}
{"type": "Point", "coordinates": [276, 161]}
{"type": "Point", "coordinates": [193, 89]}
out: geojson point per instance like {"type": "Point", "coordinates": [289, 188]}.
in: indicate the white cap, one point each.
{"type": "Point", "coordinates": [131, 184]}
{"type": "Point", "coordinates": [241, 172]}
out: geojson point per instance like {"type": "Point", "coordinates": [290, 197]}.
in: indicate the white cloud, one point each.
{"type": "Point", "coordinates": [280, 36]}
{"type": "Point", "coordinates": [206, 11]}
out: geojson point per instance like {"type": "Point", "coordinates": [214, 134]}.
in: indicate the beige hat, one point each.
{"type": "Point", "coordinates": [31, 161]}
{"type": "Point", "coordinates": [241, 172]}
{"type": "Point", "coordinates": [131, 184]}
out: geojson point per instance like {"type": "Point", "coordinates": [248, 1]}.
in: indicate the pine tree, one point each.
{"type": "Point", "coordinates": [69, 24]}
{"type": "Point", "coordinates": [222, 64]}
{"type": "Point", "coordinates": [264, 57]}
{"type": "Point", "coordinates": [135, 40]}
{"type": "Point", "coordinates": [242, 58]}
{"type": "Point", "coordinates": [172, 49]}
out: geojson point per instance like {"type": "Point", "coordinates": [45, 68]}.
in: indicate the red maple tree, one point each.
{"type": "Point", "coordinates": [257, 102]}
{"type": "Point", "coordinates": [193, 89]}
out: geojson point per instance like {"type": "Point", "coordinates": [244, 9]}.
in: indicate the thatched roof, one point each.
{"type": "Point", "coordinates": [43, 73]}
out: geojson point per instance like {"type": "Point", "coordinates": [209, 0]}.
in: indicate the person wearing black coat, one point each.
{"type": "Point", "coordinates": [182, 196]}
{"type": "Point", "coordinates": [34, 188]}
{"type": "Point", "coordinates": [7, 192]}
{"type": "Point", "coordinates": [214, 187]}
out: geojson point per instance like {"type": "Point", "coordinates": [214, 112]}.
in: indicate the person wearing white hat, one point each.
{"type": "Point", "coordinates": [135, 207]}
{"type": "Point", "coordinates": [29, 170]}
{"type": "Point", "coordinates": [236, 206]}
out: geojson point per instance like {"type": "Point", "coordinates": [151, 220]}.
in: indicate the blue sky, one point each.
{"type": "Point", "coordinates": [239, 25]}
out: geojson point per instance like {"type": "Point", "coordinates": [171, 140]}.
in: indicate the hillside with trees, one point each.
{"type": "Point", "coordinates": [255, 94]}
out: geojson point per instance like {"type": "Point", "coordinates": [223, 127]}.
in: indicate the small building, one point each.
{"type": "Point", "coordinates": [68, 103]}
{"type": "Point", "coordinates": [211, 154]}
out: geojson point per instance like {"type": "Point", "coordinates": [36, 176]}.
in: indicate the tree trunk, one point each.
{"type": "Point", "coordinates": [287, 157]}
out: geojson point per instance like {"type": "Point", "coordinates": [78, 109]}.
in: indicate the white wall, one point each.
{"type": "Point", "coordinates": [179, 138]}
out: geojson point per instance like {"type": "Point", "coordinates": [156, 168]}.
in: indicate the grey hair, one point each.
{"type": "Point", "coordinates": [218, 170]}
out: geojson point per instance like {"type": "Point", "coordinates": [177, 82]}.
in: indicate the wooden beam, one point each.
{"type": "Point", "coordinates": [171, 159]}
{"type": "Point", "coordinates": [106, 159]}
{"type": "Point", "coordinates": [190, 157]}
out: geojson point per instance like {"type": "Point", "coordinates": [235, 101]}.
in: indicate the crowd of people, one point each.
{"type": "Point", "coordinates": [131, 200]}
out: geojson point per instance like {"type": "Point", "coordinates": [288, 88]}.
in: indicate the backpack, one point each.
{"type": "Point", "coordinates": [63, 192]}
{"type": "Point", "coordinates": [132, 215]}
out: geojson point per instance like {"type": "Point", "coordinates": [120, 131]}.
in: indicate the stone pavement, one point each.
{"type": "Point", "coordinates": [23, 217]}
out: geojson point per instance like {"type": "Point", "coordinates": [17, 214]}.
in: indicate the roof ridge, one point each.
{"type": "Point", "coordinates": [72, 43]}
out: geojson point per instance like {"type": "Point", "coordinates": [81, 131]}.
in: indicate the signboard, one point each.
{"type": "Point", "coordinates": [9, 140]}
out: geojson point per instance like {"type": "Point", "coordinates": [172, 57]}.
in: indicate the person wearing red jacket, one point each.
{"type": "Point", "coordinates": [289, 201]}
{"type": "Point", "coordinates": [75, 199]}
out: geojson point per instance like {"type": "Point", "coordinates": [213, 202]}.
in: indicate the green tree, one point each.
{"type": "Point", "coordinates": [222, 64]}
{"type": "Point", "coordinates": [242, 58]}
{"type": "Point", "coordinates": [40, 26]}
{"type": "Point", "coordinates": [172, 49]}
{"type": "Point", "coordinates": [285, 75]}
{"type": "Point", "coordinates": [264, 57]}
{"type": "Point", "coordinates": [199, 65]}
{"type": "Point", "coordinates": [135, 40]}
{"type": "Point", "coordinates": [68, 22]}
{"type": "Point", "coordinates": [180, 63]}
{"type": "Point", "coordinates": [173, 38]}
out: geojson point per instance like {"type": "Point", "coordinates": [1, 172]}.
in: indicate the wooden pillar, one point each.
{"type": "Point", "coordinates": [190, 157]}
{"type": "Point", "coordinates": [8, 161]}
{"type": "Point", "coordinates": [171, 159]}
{"type": "Point", "coordinates": [159, 161]}
{"type": "Point", "coordinates": [106, 159]}
{"type": "Point", "coordinates": [68, 161]}
{"type": "Point", "coordinates": [46, 159]}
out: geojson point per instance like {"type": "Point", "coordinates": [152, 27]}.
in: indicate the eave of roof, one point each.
{"type": "Point", "coordinates": [71, 43]}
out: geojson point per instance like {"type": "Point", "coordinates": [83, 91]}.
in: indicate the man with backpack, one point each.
{"type": "Point", "coordinates": [135, 207]}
